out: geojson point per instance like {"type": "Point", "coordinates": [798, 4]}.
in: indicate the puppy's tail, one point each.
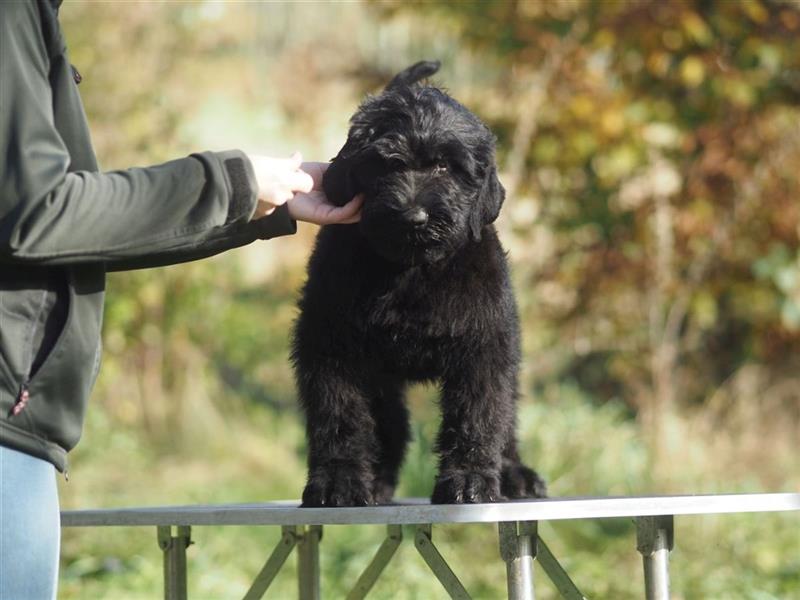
{"type": "Point", "coordinates": [414, 73]}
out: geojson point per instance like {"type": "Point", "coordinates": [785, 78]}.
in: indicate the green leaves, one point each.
{"type": "Point", "coordinates": [781, 267]}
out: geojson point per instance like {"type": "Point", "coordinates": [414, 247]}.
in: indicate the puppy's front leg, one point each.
{"type": "Point", "coordinates": [477, 406]}
{"type": "Point", "coordinates": [341, 438]}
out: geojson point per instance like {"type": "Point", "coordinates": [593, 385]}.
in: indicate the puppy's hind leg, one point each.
{"type": "Point", "coordinates": [391, 418]}
{"type": "Point", "coordinates": [516, 479]}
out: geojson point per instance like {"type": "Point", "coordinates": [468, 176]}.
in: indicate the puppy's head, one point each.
{"type": "Point", "coordinates": [426, 167]}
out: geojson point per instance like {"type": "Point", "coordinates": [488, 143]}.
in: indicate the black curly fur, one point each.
{"type": "Point", "coordinates": [419, 290]}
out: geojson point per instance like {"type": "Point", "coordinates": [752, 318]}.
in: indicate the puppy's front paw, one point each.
{"type": "Point", "coordinates": [466, 487]}
{"type": "Point", "coordinates": [518, 481]}
{"type": "Point", "coordinates": [338, 486]}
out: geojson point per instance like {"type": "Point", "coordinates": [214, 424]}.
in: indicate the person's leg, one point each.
{"type": "Point", "coordinates": [30, 527]}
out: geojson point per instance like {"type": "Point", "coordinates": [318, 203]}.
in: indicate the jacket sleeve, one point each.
{"type": "Point", "coordinates": [173, 212]}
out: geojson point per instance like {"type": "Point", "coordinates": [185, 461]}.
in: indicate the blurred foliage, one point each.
{"type": "Point", "coordinates": [650, 152]}
{"type": "Point", "coordinates": [657, 204]}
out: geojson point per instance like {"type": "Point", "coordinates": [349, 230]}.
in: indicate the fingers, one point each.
{"type": "Point", "coordinates": [351, 212]}
{"type": "Point", "coordinates": [278, 179]}
{"type": "Point", "coordinates": [293, 163]}
{"type": "Point", "coordinates": [298, 181]}
{"type": "Point", "coordinates": [280, 198]}
{"type": "Point", "coordinates": [266, 206]}
{"type": "Point", "coordinates": [289, 173]}
{"type": "Point", "coordinates": [315, 208]}
{"type": "Point", "coordinates": [316, 170]}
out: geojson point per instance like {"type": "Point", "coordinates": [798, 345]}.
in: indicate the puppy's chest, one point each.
{"type": "Point", "coordinates": [409, 345]}
{"type": "Point", "coordinates": [413, 308]}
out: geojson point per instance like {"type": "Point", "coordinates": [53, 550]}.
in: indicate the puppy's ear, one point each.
{"type": "Point", "coordinates": [413, 74]}
{"type": "Point", "coordinates": [339, 181]}
{"type": "Point", "coordinates": [490, 199]}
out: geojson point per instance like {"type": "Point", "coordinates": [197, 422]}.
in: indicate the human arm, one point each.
{"type": "Point", "coordinates": [54, 207]}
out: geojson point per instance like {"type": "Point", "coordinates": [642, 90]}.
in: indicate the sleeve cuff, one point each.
{"type": "Point", "coordinates": [277, 224]}
{"type": "Point", "coordinates": [242, 186]}
{"type": "Point", "coordinates": [243, 192]}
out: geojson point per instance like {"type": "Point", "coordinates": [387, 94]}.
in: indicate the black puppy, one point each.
{"type": "Point", "coordinates": [419, 290]}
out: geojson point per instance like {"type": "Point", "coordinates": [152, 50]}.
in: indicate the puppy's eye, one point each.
{"type": "Point", "coordinates": [440, 167]}
{"type": "Point", "coordinates": [395, 164]}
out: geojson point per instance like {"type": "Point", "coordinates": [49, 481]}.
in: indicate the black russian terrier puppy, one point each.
{"type": "Point", "coordinates": [419, 290]}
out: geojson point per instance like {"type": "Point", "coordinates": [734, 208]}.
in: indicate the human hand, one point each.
{"type": "Point", "coordinates": [278, 179]}
{"type": "Point", "coordinates": [314, 206]}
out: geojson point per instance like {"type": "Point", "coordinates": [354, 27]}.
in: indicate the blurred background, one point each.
{"type": "Point", "coordinates": [651, 154]}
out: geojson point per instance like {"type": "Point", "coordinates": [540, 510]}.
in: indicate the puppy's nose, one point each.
{"type": "Point", "coordinates": [417, 216]}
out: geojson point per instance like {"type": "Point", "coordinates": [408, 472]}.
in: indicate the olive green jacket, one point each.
{"type": "Point", "coordinates": [63, 225]}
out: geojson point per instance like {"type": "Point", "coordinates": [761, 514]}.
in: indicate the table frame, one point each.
{"type": "Point", "coordinates": [519, 541]}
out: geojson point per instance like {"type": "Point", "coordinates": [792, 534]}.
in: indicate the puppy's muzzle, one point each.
{"type": "Point", "coordinates": [415, 216]}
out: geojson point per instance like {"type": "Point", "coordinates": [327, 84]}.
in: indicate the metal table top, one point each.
{"type": "Point", "coordinates": [416, 511]}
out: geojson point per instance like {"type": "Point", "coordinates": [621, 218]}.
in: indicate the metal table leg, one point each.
{"type": "Point", "coordinates": [174, 547]}
{"type": "Point", "coordinates": [518, 542]}
{"type": "Point", "coordinates": [394, 535]}
{"type": "Point", "coordinates": [437, 564]}
{"type": "Point", "coordinates": [308, 561]}
{"type": "Point", "coordinates": [556, 573]}
{"type": "Point", "coordinates": [274, 563]}
{"type": "Point", "coordinates": [655, 540]}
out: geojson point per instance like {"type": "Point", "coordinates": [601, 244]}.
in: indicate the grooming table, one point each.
{"type": "Point", "coordinates": [517, 522]}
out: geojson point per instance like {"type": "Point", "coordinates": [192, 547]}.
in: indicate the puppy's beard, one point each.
{"type": "Point", "coordinates": [393, 201]}
{"type": "Point", "coordinates": [402, 249]}
{"type": "Point", "coordinates": [391, 235]}
{"type": "Point", "coordinates": [403, 245]}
